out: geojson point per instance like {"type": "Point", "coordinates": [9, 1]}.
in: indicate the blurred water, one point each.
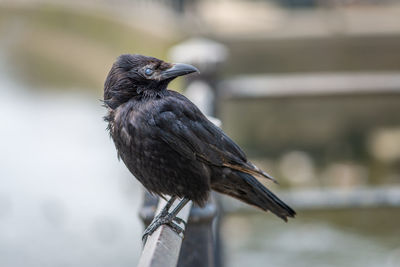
{"type": "Point", "coordinates": [65, 200]}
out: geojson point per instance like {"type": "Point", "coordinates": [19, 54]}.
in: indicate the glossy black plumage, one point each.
{"type": "Point", "coordinates": [169, 145]}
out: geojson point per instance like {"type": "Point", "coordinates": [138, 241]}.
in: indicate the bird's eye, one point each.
{"type": "Point", "coordinates": [148, 71]}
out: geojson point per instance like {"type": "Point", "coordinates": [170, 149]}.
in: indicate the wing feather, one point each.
{"type": "Point", "coordinates": [185, 129]}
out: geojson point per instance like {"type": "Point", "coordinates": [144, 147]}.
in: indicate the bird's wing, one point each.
{"type": "Point", "coordinates": [185, 129]}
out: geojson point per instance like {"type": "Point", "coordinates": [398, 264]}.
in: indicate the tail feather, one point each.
{"type": "Point", "coordinates": [245, 187]}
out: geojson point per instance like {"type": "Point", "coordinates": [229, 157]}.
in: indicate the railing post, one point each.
{"type": "Point", "coordinates": [200, 246]}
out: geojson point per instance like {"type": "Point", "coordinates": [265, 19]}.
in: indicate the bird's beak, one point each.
{"type": "Point", "coordinates": [178, 69]}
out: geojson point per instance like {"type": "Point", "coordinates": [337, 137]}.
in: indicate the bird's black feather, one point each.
{"type": "Point", "coordinates": [170, 146]}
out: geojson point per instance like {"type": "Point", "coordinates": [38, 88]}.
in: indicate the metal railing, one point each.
{"type": "Point", "coordinates": [197, 247]}
{"type": "Point", "coordinates": [161, 249]}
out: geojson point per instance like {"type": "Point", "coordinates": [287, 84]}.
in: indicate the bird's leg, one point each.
{"type": "Point", "coordinates": [177, 209]}
{"type": "Point", "coordinates": [165, 209]}
{"type": "Point", "coordinates": [167, 218]}
{"type": "Point", "coordinates": [163, 213]}
{"type": "Point", "coordinates": [155, 223]}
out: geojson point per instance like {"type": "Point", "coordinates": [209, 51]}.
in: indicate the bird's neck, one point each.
{"type": "Point", "coordinates": [152, 90]}
{"type": "Point", "coordinates": [137, 93]}
{"type": "Point", "coordinates": [151, 94]}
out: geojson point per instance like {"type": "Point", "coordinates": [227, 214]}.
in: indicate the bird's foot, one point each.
{"type": "Point", "coordinates": [180, 221]}
{"type": "Point", "coordinates": [166, 219]}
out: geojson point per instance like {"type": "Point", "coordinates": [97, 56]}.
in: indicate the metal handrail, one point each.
{"type": "Point", "coordinates": [200, 246]}
{"type": "Point", "coordinates": [162, 247]}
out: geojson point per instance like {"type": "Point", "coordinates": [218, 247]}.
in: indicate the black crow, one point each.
{"type": "Point", "coordinates": [170, 146]}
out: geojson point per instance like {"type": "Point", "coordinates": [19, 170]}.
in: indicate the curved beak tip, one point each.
{"type": "Point", "coordinates": [178, 69]}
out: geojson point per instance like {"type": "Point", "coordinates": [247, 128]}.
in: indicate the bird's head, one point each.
{"type": "Point", "coordinates": [137, 75]}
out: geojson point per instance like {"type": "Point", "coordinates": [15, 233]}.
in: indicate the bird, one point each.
{"type": "Point", "coordinates": [171, 147]}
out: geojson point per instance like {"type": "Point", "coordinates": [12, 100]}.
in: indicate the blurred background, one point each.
{"type": "Point", "coordinates": [309, 88]}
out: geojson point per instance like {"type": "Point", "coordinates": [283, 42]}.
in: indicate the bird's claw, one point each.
{"type": "Point", "coordinates": [167, 219]}
{"type": "Point", "coordinates": [176, 228]}
{"type": "Point", "coordinates": [179, 221]}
